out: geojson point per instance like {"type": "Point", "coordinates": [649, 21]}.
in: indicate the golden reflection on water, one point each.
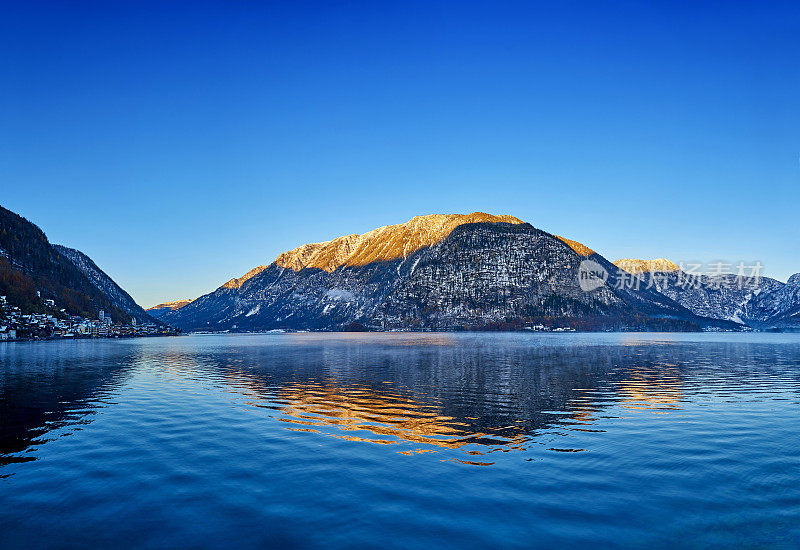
{"type": "Point", "coordinates": [387, 415]}
{"type": "Point", "coordinates": [379, 413]}
{"type": "Point", "coordinates": [659, 389]}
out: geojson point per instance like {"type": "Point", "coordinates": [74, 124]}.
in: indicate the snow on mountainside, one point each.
{"type": "Point", "coordinates": [441, 271]}
{"type": "Point", "coordinates": [121, 299]}
{"type": "Point", "coordinates": [760, 302]}
{"type": "Point", "coordinates": [781, 307]}
{"type": "Point", "coordinates": [719, 297]}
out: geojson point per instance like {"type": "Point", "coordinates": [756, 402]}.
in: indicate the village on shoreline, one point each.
{"type": "Point", "coordinates": [55, 323]}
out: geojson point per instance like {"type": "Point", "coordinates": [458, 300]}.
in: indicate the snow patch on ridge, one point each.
{"type": "Point", "coordinates": [340, 295]}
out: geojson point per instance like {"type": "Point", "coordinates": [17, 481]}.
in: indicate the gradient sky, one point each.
{"type": "Point", "coordinates": [181, 144]}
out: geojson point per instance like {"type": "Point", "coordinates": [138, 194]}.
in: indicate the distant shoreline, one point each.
{"type": "Point", "coordinates": [441, 331]}
{"type": "Point", "coordinates": [446, 331]}
{"type": "Point", "coordinates": [67, 338]}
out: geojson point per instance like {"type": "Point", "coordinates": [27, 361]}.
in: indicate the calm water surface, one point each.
{"type": "Point", "coordinates": [402, 440]}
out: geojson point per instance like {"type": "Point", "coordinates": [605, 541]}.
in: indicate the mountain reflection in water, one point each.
{"type": "Point", "coordinates": [51, 394]}
{"type": "Point", "coordinates": [475, 394]}
{"type": "Point", "coordinates": [429, 440]}
{"type": "Point", "coordinates": [444, 395]}
{"type": "Point", "coordinates": [384, 415]}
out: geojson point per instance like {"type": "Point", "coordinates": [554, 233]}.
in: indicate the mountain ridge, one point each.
{"type": "Point", "coordinates": [358, 249]}
{"type": "Point", "coordinates": [160, 310]}
{"type": "Point", "coordinates": [464, 271]}
{"type": "Point", "coordinates": [173, 305]}
{"type": "Point", "coordinates": [384, 243]}
{"type": "Point", "coordinates": [757, 302]}
{"type": "Point", "coordinates": [105, 284]}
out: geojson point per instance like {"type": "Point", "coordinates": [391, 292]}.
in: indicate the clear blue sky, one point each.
{"type": "Point", "coordinates": [181, 144]}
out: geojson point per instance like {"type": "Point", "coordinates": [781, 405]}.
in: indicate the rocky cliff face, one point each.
{"type": "Point", "coordinates": [433, 272]}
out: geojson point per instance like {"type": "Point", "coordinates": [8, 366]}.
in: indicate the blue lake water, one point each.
{"type": "Point", "coordinates": [402, 440]}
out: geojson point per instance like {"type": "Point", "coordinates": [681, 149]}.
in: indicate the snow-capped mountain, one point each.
{"type": "Point", "coordinates": [434, 272]}
{"type": "Point", "coordinates": [758, 302]}
{"type": "Point", "coordinates": [100, 280]}
{"type": "Point", "coordinates": [779, 308]}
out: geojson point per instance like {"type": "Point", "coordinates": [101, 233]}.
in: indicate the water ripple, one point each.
{"type": "Point", "coordinates": [434, 440]}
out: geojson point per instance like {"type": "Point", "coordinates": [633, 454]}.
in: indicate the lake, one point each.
{"type": "Point", "coordinates": [402, 440]}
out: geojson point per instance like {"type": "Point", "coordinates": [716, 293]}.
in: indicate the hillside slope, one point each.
{"type": "Point", "coordinates": [101, 281]}
{"type": "Point", "coordinates": [30, 264]}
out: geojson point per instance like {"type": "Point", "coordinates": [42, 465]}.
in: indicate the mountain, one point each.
{"type": "Point", "coordinates": [121, 299]}
{"type": "Point", "coordinates": [780, 308]}
{"type": "Point", "coordinates": [159, 310]}
{"type": "Point", "coordinates": [29, 264]}
{"type": "Point", "coordinates": [446, 272]}
{"type": "Point", "coordinates": [760, 302]}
